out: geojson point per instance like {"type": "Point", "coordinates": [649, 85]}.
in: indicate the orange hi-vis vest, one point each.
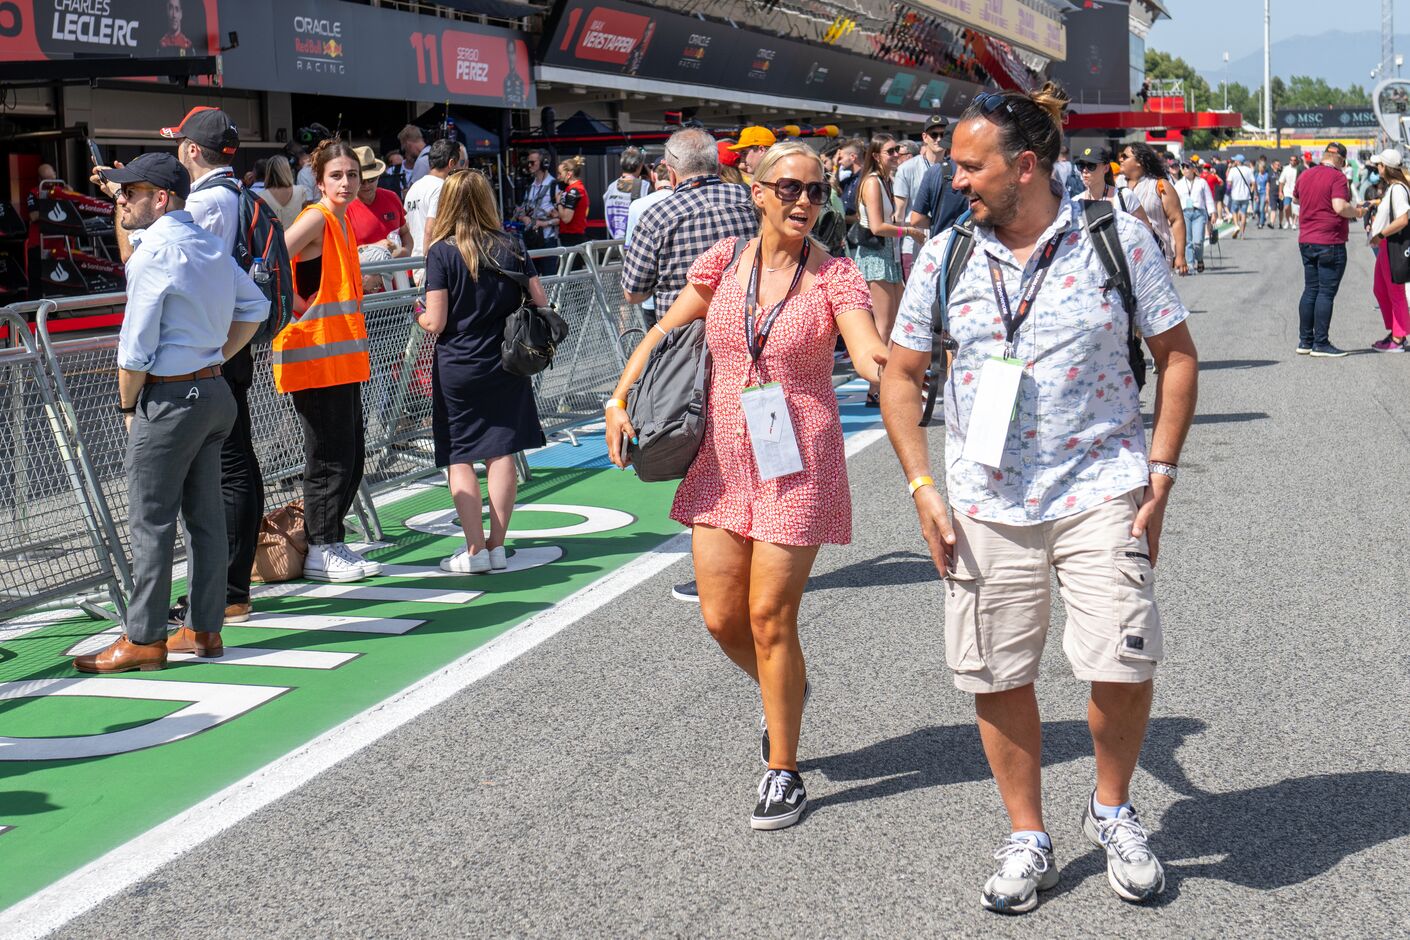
{"type": "Point", "coordinates": [327, 344]}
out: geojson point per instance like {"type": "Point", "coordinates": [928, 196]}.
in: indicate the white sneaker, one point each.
{"type": "Point", "coordinates": [1132, 869]}
{"type": "Point", "coordinates": [462, 562]}
{"type": "Point", "coordinates": [1025, 868]}
{"type": "Point", "coordinates": [326, 563]}
{"type": "Point", "coordinates": [498, 560]}
{"type": "Point", "coordinates": [369, 567]}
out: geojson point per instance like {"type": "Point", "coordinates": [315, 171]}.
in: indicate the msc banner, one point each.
{"type": "Point", "coordinates": [621, 38]}
{"type": "Point", "coordinates": [1331, 118]}
{"type": "Point", "coordinates": [325, 46]}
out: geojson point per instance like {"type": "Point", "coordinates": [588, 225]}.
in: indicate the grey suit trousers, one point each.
{"type": "Point", "coordinates": [173, 465]}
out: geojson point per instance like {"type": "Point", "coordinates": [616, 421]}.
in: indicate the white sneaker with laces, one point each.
{"type": "Point", "coordinates": [1132, 869]}
{"type": "Point", "coordinates": [462, 562]}
{"type": "Point", "coordinates": [369, 567]}
{"type": "Point", "coordinates": [498, 560]}
{"type": "Point", "coordinates": [326, 563]}
{"type": "Point", "coordinates": [1025, 868]}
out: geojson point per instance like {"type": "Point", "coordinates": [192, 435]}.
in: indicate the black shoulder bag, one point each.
{"type": "Point", "coordinates": [531, 334]}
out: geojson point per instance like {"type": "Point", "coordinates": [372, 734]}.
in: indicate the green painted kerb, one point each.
{"type": "Point", "coordinates": [65, 813]}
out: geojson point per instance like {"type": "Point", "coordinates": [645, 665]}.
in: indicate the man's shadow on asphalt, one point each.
{"type": "Point", "coordinates": [1264, 837]}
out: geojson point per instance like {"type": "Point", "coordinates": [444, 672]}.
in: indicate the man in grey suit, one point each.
{"type": "Point", "coordinates": [189, 307]}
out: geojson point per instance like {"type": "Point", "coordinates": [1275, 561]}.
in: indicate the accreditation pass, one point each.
{"type": "Point", "coordinates": [771, 431]}
{"type": "Point", "coordinates": [992, 411]}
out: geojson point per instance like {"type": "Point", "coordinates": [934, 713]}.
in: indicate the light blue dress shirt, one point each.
{"type": "Point", "coordinates": [183, 291]}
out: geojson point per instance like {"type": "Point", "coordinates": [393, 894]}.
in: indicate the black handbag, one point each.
{"type": "Point", "coordinates": [531, 334]}
{"type": "Point", "coordinates": [1398, 248]}
{"type": "Point", "coordinates": [858, 235]}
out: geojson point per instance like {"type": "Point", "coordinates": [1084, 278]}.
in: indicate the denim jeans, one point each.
{"type": "Point", "coordinates": [1195, 221]}
{"type": "Point", "coordinates": [1322, 268]}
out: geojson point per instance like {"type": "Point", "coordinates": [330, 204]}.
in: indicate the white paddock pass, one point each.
{"type": "Point", "coordinates": [992, 411]}
{"type": "Point", "coordinates": [771, 431]}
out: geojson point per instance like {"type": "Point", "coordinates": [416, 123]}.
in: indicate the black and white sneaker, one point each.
{"type": "Point", "coordinates": [686, 592]}
{"type": "Point", "coordinates": [764, 725]}
{"type": "Point", "coordinates": [1132, 869]}
{"type": "Point", "coordinates": [782, 800]}
{"type": "Point", "coordinates": [1026, 867]}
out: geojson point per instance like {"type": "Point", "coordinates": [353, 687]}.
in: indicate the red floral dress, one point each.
{"type": "Point", "coordinates": [723, 489]}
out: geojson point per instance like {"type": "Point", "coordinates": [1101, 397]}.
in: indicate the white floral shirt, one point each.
{"type": "Point", "coordinates": [1077, 439]}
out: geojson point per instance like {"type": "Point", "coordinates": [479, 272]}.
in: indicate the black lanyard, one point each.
{"type": "Point", "coordinates": [1012, 321]}
{"type": "Point", "coordinates": [751, 301]}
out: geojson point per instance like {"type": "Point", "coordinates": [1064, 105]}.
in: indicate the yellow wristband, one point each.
{"type": "Point", "coordinates": [614, 403]}
{"type": "Point", "coordinates": [918, 482]}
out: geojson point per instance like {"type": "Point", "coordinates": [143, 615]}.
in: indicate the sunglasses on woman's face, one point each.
{"type": "Point", "coordinates": [888, 151]}
{"type": "Point", "coordinates": [789, 190]}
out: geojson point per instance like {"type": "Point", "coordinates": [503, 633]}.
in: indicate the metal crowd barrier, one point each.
{"type": "Point", "coordinates": [63, 508]}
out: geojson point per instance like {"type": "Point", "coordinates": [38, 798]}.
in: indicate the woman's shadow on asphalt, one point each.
{"type": "Point", "coordinates": [1265, 837]}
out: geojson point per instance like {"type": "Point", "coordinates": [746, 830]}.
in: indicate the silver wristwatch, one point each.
{"type": "Point", "coordinates": [1166, 469]}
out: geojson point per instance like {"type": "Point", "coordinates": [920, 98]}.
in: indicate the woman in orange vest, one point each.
{"type": "Point", "coordinates": [321, 359]}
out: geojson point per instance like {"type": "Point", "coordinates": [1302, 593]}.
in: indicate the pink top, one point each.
{"type": "Point", "coordinates": [723, 488]}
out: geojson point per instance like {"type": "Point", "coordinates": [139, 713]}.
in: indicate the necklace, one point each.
{"type": "Point", "coordinates": [769, 270]}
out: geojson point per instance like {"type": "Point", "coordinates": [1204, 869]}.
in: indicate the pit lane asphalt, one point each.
{"type": "Point", "coordinates": [600, 784]}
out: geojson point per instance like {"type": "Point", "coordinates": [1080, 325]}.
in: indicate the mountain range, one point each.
{"type": "Point", "coordinates": [1340, 58]}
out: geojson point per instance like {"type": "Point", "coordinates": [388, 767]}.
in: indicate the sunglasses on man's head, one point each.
{"type": "Point", "coordinates": [789, 190]}
{"type": "Point", "coordinates": [990, 102]}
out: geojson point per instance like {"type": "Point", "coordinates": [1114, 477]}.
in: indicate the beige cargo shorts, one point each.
{"type": "Point", "coordinates": [998, 599]}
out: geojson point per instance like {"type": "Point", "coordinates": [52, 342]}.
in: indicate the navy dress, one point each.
{"type": "Point", "coordinates": [479, 410]}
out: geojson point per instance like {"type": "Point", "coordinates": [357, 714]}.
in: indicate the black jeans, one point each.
{"type": "Point", "coordinates": [241, 484]}
{"type": "Point", "coordinates": [333, 454]}
{"type": "Point", "coordinates": [1322, 268]}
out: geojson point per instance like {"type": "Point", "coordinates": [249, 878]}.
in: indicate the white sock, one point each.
{"type": "Point", "coordinates": [1033, 836]}
{"type": "Point", "coordinates": [1109, 812]}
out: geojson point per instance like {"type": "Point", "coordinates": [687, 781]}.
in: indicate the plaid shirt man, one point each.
{"type": "Point", "coordinates": [681, 228]}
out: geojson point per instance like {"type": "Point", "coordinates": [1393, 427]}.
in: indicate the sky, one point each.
{"type": "Point", "coordinates": [1201, 31]}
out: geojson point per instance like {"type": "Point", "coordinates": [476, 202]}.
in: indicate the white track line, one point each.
{"type": "Point", "coordinates": [67, 898]}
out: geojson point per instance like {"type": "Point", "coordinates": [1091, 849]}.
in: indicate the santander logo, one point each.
{"type": "Point", "coordinates": [57, 214]}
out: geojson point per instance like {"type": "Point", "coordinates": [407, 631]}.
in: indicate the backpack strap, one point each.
{"type": "Point", "coordinates": [1100, 222]}
{"type": "Point", "coordinates": [957, 254]}
{"type": "Point", "coordinates": [224, 180]}
{"type": "Point", "coordinates": [740, 243]}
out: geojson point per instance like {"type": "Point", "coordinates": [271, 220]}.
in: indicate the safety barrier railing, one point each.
{"type": "Point", "coordinates": [56, 533]}
{"type": "Point", "coordinates": [64, 514]}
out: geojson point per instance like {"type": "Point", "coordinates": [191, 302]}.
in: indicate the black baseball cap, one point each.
{"type": "Point", "coordinates": [1092, 156]}
{"type": "Point", "coordinates": [1339, 148]}
{"type": "Point", "coordinates": [162, 170]}
{"type": "Point", "coordinates": [936, 120]}
{"type": "Point", "coordinates": [209, 127]}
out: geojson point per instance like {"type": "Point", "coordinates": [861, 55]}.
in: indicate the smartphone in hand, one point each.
{"type": "Point", "coordinates": [94, 154]}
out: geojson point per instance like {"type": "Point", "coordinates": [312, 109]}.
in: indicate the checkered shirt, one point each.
{"type": "Point", "coordinates": [679, 229]}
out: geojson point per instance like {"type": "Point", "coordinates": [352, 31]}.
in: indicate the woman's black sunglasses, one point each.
{"type": "Point", "coordinates": [991, 101]}
{"type": "Point", "coordinates": [789, 190]}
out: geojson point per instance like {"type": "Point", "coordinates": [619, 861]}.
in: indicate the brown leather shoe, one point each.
{"type": "Point", "coordinates": [124, 656]}
{"type": "Point", "coordinates": [186, 640]}
{"type": "Point", "coordinates": [237, 613]}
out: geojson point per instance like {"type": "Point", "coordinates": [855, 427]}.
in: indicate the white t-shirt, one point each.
{"type": "Point", "coordinates": [1239, 181]}
{"type": "Point", "coordinates": [1287, 179]}
{"type": "Point", "coordinates": [617, 202]}
{"type": "Point", "coordinates": [420, 204]}
{"type": "Point", "coordinates": [1394, 204]}
{"type": "Point", "coordinates": [906, 184]}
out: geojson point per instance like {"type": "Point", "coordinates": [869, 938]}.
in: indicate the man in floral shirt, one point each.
{"type": "Point", "coordinates": [1046, 466]}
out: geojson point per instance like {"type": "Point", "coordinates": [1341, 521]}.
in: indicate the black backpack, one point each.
{"type": "Point", "coordinates": [830, 229]}
{"type": "Point", "coordinates": [260, 234]}
{"type": "Point", "coordinates": [531, 333]}
{"type": "Point", "coordinates": [1100, 222]}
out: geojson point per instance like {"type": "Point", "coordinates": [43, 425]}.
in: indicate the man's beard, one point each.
{"type": "Point", "coordinates": [141, 219]}
{"type": "Point", "coordinates": [998, 211]}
